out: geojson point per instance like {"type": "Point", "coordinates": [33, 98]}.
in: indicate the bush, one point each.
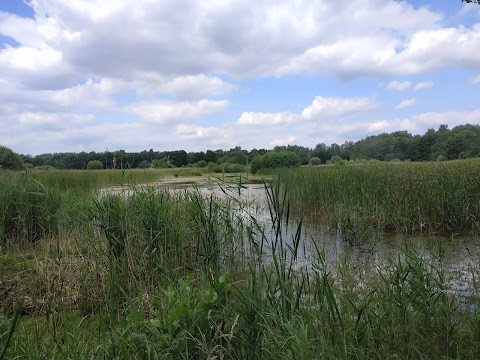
{"type": "Point", "coordinates": [94, 165]}
{"type": "Point", "coordinates": [144, 164]}
{"type": "Point", "coordinates": [315, 161]}
{"type": "Point", "coordinates": [9, 159]}
{"type": "Point", "coordinates": [337, 160]}
{"type": "Point", "coordinates": [274, 160]}
{"type": "Point", "coordinates": [441, 158]}
{"type": "Point", "coordinates": [162, 163]}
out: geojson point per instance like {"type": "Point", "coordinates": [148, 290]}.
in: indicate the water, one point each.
{"type": "Point", "coordinates": [249, 204]}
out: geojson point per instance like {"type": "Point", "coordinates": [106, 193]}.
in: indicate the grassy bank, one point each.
{"type": "Point", "coordinates": [406, 198]}
{"type": "Point", "coordinates": [179, 275]}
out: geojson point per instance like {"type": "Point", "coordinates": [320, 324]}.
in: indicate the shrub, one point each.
{"type": "Point", "coordinates": [94, 165]}
{"type": "Point", "coordinates": [144, 164]}
{"type": "Point", "coordinates": [315, 161]}
{"type": "Point", "coordinates": [274, 160]}
{"type": "Point", "coordinates": [162, 163]}
{"type": "Point", "coordinates": [9, 159]}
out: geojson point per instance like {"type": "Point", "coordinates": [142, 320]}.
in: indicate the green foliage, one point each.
{"type": "Point", "coordinates": [336, 160]}
{"type": "Point", "coordinates": [274, 160]}
{"type": "Point", "coordinates": [144, 165]}
{"type": "Point", "coordinates": [235, 156]}
{"type": "Point", "coordinates": [9, 159]}
{"type": "Point", "coordinates": [315, 161]}
{"type": "Point", "coordinates": [391, 197]}
{"type": "Point", "coordinates": [225, 168]}
{"type": "Point", "coordinates": [153, 273]}
{"type": "Point", "coordinates": [163, 163]}
{"type": "Point", "coordinates": [94, 165]}
{"type": "Point", "coordinates": [29, 210]}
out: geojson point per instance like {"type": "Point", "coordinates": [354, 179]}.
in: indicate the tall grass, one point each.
{"type": "Point", "coordinates": [152, 273]}
{"type": "Point", "coordinates": [397, 198]}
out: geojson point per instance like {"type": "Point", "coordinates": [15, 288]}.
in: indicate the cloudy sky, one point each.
{"type": "Point", "coordinates": [83, 75]}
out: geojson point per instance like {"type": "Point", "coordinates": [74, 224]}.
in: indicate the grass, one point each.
{"type": "Point", "coordinates": [155, 274]}
{"type": "Point", "coordinates": [402, 198]}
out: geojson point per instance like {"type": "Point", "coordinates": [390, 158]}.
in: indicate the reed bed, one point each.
{"type": "Point", "coordinates": [157, 274]}
{"type": "Point", "coordinates": [402, 198]}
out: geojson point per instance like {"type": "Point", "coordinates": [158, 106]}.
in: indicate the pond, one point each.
{"type": "Point", "coordinates": [249, 204]}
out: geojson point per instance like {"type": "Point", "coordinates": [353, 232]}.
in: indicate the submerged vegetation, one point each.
{"type": "Point", "coordinates": [153, 273]}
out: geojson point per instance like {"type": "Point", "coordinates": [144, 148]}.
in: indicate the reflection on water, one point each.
{"type": "Point", "coordinates": [249, 204]}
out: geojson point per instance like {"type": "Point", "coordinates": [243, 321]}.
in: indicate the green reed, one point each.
{"type": "Point", "coordinates": [399, 198]}
{"type": "Point", "coordinates": [152, 273]}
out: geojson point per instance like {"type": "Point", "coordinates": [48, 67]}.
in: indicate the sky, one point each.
{"type": "Point", "coordinates": [92, 75]}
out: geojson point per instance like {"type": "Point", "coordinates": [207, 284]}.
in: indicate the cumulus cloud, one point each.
{"type": "Point", "coordinates": [406, 104]}
{"type": "Point", "coordinates": [331, 107]}
{"type": "Point", "coordinates": [322, 108]}
{"type": "Point", "coordinates": [424, 85]}
{"type": "Point", "coordinates": [283, 141]}
{"type": "Point", "coordinates": [399, 86]}
{"type": "Point", "coordinates": [164, 112]}
{"type": "Point", "coordinates": [266, 119]}
{"type": "Point", "coordinates": [190, 87]}
{"type": "Point", "coordinates": [420, 123]}
{"type": "Point", "coordinates": [378, 126]}
{"type": "Point", "coordinates": [55, 121]}
{"type": "Point", "coordinates": [81, 57]}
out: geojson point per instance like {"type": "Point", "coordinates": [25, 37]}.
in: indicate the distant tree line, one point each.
{"type": "Point", "coordinates": [461, 142]}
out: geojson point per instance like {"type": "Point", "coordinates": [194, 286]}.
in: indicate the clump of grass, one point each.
{"type": "Point", "coordinates": [405, 198]}
{"type": "Point", "coordinates": [29, 210]}
{"type": "Point", "coordinates": [152, 273]}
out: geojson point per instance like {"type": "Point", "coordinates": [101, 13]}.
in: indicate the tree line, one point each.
{"type": "Point", "coordinates": [460, 142]}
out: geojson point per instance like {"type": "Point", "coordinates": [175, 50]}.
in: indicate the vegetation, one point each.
{"type": "Point", "coordinates": [94, 165]}
{"type": "Point", "coordinates": [9, 159]}
{"type": "Point", "coordinates": [149, 273]}
{"type": "Point", "coordinates": [315, 161]}
{"type": "Point", "coordinates": [274, 160]}
{"type": "Point", "coordinates": [461, 142]}
{"type": "Point", "coordinates": [389, 197]}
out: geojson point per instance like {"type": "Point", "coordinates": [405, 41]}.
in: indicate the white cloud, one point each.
{"type": "Point", "coordinates": [266, 119]}
{"type": "Point", "coordinates": [164, 112]}
{"type": "Point", "coordinates": [192, 131]}
{"type": "Point", "coordinates": [476, 79]}
{"type": "Point", "coordinates": [452, 118]}
{"type": "Point", "coordinates": [399, 86]}
{"type": "Point", "coordinates": [331, 107]}
{"type": "Point", "coordinates": [55, 121]}
{"type": "Point", "coordinates": [378, 126]}
{"type": "Point", "coordinates": [283, 141]}
{"type": "Point", "coordinates": [190, 87]}
{"type": "Point", "coordinates": [424, 85]}
{"type": "Point", "coordinates": [89, 94]}
{"type": "Point", "coordinates": [405, 104]}
{"type": "Point", "coordinates": [420, 123]}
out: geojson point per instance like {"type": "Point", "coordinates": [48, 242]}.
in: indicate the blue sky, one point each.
{"type": "Point", "coordinates": [90, 74]}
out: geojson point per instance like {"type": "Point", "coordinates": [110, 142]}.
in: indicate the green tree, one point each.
{"type": "Point", "coordinates": [9, 159]}
{"type": "Point", "coordinates": [163, 163]}
{"type": "Point", "coordinates": [315, 161]}
{"type": "Point", "coordinates": [235, 156]}
{"type": "Point", "coordinates": [144, 164]}
{"type": "Point", "coordinates": [274, 160]}
{"type": "Point", "coordinates": [94, 165]}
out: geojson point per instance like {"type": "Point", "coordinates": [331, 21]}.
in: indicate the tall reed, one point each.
{"type": "Point", "coordinates": [399, 198]}
{"type": "Point", "coordinates": [153, 273]}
